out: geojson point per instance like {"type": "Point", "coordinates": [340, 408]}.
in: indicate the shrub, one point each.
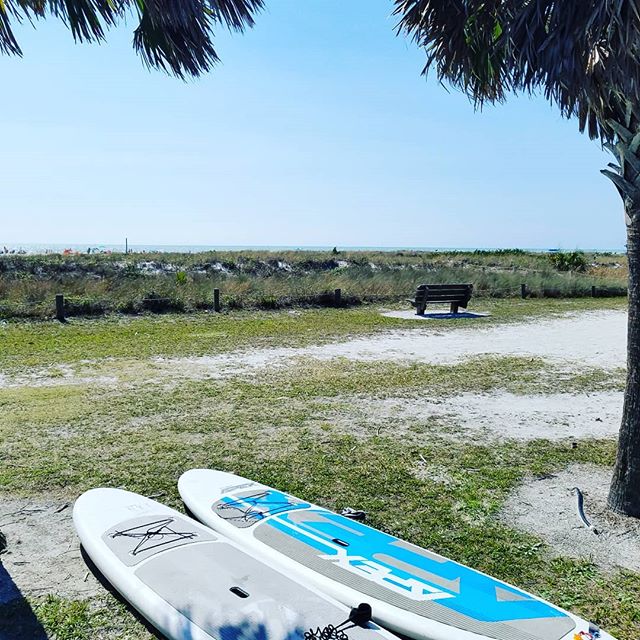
{"type": "Point", "coordinates": [155, 303]}
{"type": "Point", "coordinates": [232, 302]}
{"type": "Point", "coordinates": [82, 306]}
{"type": "Point", "coordinates": [269, 302]}
{"type": "Point", "coordinates": [270, 280]}
{"type": "Point", "coordinates": [569, 261]}
{"type": "Point", "coordinates": [130, 270]}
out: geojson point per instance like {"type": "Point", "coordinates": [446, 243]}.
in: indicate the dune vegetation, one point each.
{"type": "Point", "coordinates": [95, 284]}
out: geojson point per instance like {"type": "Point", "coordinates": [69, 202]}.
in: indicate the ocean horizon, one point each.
{"type": "Point", "coordinates": [36, 248]}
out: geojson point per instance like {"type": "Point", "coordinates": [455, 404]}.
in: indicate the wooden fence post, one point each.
{"type": "Point", "coordinates": [523, 291]}
{"type": "Point", "coordinates": [337, 297]}
{"type": "Point", "coordinates": [60, 307]}
{"type": "Point", "coordinates": [216, 299]}
{"type": "Point", "coordinates": [593, 290]}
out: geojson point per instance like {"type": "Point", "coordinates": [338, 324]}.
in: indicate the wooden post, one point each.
{"type": "Point", "coordinates": [126, 246]}
{"type": "Point", "coordinates": [337, 297]}
{"type": "Point", "coordinates": [216, 299]}
{"type": "Point", "coordinates": [593, 290]}
{"type": "Point", "coordinates": [523, 291]}
{"type": "Point", "coordinates": [59, 307]}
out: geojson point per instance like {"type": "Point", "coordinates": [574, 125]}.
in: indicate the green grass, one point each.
{"type": "Point", "coordinates": [29, 344]}
{"type": "Point", "coordinates": [52, 437]}
{"type": "Point", "coordinates": [65, 619]}
{"type": "Point", "coordinates": [481, 374]}
{"type": "Point", "coordinates": [458, 521]}
{"type": "Point", "coordinates": [280, 428]}
{"type": "Point", "coordinates": [103, 618]}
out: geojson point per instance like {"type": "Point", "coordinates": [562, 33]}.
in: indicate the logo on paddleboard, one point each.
{"type": "Point", "coordinates": [384, 576]}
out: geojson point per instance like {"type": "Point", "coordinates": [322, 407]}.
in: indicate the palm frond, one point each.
{"type": "Point", "coordinates": [236, 14]}
{"type": "Point", "coordinates": [583, 56]}
{"type": "Point", "coordinates": [174, 35]}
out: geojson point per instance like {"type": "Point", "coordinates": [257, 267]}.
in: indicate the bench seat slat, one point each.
{"type": "Point", "coordinates": [439, 289]}
{"type": "Point", "coordinates": [445, 284]}
{"type": "Point", "coordinates": [435, 294]}
{"type": "Point", "coordinates": [429, 294]}
{"type": "Point", "coordinates": [458, 295]}
{"type": "Point", "coordinates": [442, 296]}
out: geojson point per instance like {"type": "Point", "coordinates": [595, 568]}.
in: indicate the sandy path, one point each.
{"type": "Point", "coordinates": [594, 339]}
{"type": "Point", "coordinates": [496, 416]}
{"type": "Point", "coordinates": [43, 530]}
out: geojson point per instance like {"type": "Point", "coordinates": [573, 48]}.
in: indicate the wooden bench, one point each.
{"type": "Point", "coordinates": [458, 295]}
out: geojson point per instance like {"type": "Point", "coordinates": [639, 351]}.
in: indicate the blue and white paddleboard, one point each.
{"type": "Point", "coordinates": [412, 591]}
{"type": "Point", "coordinates": [193, 584]}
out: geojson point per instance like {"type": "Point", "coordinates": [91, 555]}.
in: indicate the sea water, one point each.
{"type": "Point", "coordinates": [37, 248]}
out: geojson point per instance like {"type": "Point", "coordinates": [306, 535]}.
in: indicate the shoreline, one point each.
{"type": "Point", "coordinates": [78, 248]}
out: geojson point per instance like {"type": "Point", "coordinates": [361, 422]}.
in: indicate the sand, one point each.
{"type": "Point", "coordinates": [594, 339]}
{"type": "Point", "coordinates": [43, 551]}
{"type": "Point", "coordinates": [492, 417]}
{"type": "Point", "coordinates": [547, 508]}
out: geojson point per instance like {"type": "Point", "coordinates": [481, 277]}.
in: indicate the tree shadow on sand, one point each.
{"type": "Point", "coordinates": [17, 619]}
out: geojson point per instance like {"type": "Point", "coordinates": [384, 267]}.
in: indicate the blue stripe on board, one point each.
{"type": "Point", "coordinates": [455, 586]}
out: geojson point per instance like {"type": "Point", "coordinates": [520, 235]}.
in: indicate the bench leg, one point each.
{"type": "Point", "coordinates": [454, 307]}
{"type": "Point", "coordinates": [420, 309]}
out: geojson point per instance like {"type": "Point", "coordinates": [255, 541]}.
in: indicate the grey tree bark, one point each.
{"type": "Point", "coordinates": [624, 494]}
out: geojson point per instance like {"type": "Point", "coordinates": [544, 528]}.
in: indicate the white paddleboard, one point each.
{"type": "Point", "coordinates": [411, 590]}
{"type": "Point", "coordinates": [192, 583]}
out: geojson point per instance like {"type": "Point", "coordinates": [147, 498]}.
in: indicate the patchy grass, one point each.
{"type": "Point", "coordinates": [105, 618]}
{"type": "Point", "coordinates": [27, 344]}
{"type": "Point", "coordinates": [457, 519]}
{"type": "Point", "coordinates": [55, 436]}
{"type": "Point", "coordinates": [482, 374]}
{"type": "Point", "coordinates": [277, 428]}
{"type": "Point", "coordinates": [65, 619]}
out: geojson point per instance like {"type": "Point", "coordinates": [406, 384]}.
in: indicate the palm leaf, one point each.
{"type": "Point", "coordinates": [174, 35]}
{"type": "Point", "coordinates": [583, 56]}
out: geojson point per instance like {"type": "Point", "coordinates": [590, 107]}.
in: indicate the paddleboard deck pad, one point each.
{"type": "Point", "coordinates": [412, 590]}
{"type": "Point", "coordinates": [192, 583]}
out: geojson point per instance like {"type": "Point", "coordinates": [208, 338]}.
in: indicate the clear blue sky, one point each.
{"type": "Point", "coordinates": [316, 129]}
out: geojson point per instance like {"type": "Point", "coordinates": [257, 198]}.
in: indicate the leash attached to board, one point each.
{"type": "Point", "coordinates": [358, 617]}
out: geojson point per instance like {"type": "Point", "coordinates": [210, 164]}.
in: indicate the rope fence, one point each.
{"type": "Point", "coordinates": [67, 306]}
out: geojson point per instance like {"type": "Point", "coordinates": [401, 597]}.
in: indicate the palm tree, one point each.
{"type": "Point", "coordinates": [584, 57]}
{"type": "Point", "coordinates": [173, 35]}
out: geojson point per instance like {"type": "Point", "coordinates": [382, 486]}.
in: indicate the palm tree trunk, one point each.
{"type": "Point", "coordinates": [624, 495]}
